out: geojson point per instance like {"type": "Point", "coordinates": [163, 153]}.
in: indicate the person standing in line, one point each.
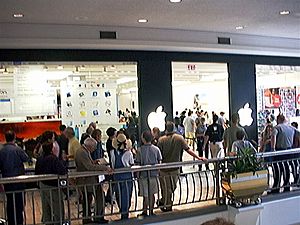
{"type": "Point", "coordinates": [282, 139]}
{"type": "Point", "coordinates": [148, 154]}
{"type": "Point", "coordinates": [222, 120]}
{"type": "Point", "coordinates": [89, 185]}
{"type": "Point", "coordinates": [12, 158]}
{"type": "Point", "coordinates": [214, 134]}
{"type": "Point", "coordinates": [99, 152]}
{"type": "Point", "coordinates": [63, 142]}
{"type": "Point", "coordinates": [171, 146]}
{"type": "Point", "coordinates": [51, 199]}
{"type": "Point", "coordinates": [230, 133]}
{"type": "Point", "coordinates": [121, 157]}
{"type": "Point", "coordinates": [296, 162]}
{"type": "Point", "coordinates": [189, 127]}
{"type": "Point", "coordinates": [73, 145]}
{"type": "Point", "coordinates": [240, 144]}
{"type": "Point", "coordinates": [156, 135]}
{"type": "Point", "coordinates": [200, 134]}
{"type": "Point", "coordinates": [111, 133]}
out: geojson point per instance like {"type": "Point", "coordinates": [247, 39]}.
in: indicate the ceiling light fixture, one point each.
{"type": "Point", "coordinates": [142, 20]}
{"type": "Point", "coordinates": [284, 12]}
{"type": "Point", "coordinates": [59, 67]}
{"type": "Point", "coordinates": [18, 15]}
{"type": "Point", "coordinates": [239, 27]}
{"type": "Point", "coordinates": [175, 1]}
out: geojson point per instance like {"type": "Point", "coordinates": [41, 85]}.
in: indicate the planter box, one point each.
{"type": "Point", "coordinates": [246, 185]}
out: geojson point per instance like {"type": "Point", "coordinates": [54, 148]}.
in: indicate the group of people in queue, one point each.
{"type": "Point", "coordinates": [55, 152]}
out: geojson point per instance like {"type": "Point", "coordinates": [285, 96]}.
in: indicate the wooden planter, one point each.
{"type": "Point", "coordinates": [246, 185]}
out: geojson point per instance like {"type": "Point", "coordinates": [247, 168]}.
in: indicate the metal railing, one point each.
{"type": "Point", "coordinates": [72, 201]}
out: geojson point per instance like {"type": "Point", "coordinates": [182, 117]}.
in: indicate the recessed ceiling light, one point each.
{"type": "Point", "coordinates": [284, 12]}
{"type": "Point", "coordinates": [142, 20]}
{"type": "Point", "coordinates": [239, 27]}
{"type": "Point", "coordinates": [175, 1]}
{"type": "Point", "coordinates": [18, 15]}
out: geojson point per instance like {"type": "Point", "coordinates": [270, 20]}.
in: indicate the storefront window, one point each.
{"type": "Point", "coordinates": [200, 87]}
{"type": "Point", "coordinates": [278, 91]}
{"type": "Point", "coordinates": [76, 93]}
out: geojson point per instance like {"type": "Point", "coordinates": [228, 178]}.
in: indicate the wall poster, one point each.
{"type": "Point", "coordinates": [84, 102]}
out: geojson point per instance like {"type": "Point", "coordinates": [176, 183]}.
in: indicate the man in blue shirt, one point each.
{"type": "Point", "coordinates": [12, 158]}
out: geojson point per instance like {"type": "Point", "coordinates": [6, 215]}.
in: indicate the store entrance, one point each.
{"type": "Point", "coordinates": [201, 90]}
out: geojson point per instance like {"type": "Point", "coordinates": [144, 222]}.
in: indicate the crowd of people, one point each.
{"type": "Point", "coordinates": [55, 153]}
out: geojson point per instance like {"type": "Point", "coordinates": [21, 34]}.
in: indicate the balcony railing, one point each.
{"type": "Point", "coordinates": [67, 201]}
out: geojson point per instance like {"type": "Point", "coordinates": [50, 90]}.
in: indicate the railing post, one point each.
{"type": "Point", "coordinates": [219, 169]}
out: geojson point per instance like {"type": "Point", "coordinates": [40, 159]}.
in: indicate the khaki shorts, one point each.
{"type": "Point", "coordinates": [144, 185]}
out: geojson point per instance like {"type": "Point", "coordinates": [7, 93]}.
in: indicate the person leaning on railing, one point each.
{"type": "Point", "coordinates": [52, 200]}
{"type": "Point", "coordinates": [89, 185]}
{"type": "Point", "coordinates": [281, 140]}
{"type": "Point", "coordinates": [171, 146]}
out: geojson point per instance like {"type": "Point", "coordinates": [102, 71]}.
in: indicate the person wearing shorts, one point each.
{"type": "Point", "coordinates": [148, 154]}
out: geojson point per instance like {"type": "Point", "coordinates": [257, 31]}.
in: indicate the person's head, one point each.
{"type": "Point", "coordinates": [48, 136]}
{"type": "Point", "coordinates": [83, 137]}
{"type": "Point", "coordinates": [90, 144]}
{"type": "Point", "coordinates": [156, 132]}
{"type": "Point", "coordinates": [176, 113]}
{"type": "Point", "coordinates": [89, 130]}
{"type": "Point", "coordinates": [295, 124]}
{"type": "Point", "coordinates": [280, 118]}
{"type": "Point", "coordinates": [47, 147]}
{"type": "Point", "coordinates": [10, 136]}
{"type": "Point", "coordinates": [217, 221]}
{"type": "Point", "coordinates": [147, 137]}
{"type": "Point", "coordinates": [268, 130]}
{"type": "Point", "coordinates": [240, 135]}
{"type": "Point", "coordinates": [120, 142]}
{"type": "Point", "coordinates": [93, 125]}
{"type": "Point", "coordinates": [170, 127]}
{"type": "Point", "coordinates": [222, 113]}
{"type": "Point", "coordinates": [215, 118]}
{"type": "Point", "coordinates": [111, 132]}
{"type": "Point", "coordinates": [190, 112]}
{"type": "Point", "coordinates": [96, 134]}
{"type": "Point", "coordinates": [235, 118]}
{"type": "Point", "coordinates": [202, 120]}
{"type": "Point", "coordinates": [70, 133]}
{"type": "Point", "coordinates": [62, 128]}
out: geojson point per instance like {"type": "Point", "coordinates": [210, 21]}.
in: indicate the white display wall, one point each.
{"type": "Point", "coordinates": [83, 102]}
{"type": "Point", "coordinates": [213, 96]}
{"type": "Point", "coordinates": [26, 92]}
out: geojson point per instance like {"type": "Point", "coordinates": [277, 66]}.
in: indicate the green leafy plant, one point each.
{"type": "Point", "coordinates": [246, 161]}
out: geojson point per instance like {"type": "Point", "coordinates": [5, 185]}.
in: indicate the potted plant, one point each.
{"type": "Point", "coordinates": [245, 179]}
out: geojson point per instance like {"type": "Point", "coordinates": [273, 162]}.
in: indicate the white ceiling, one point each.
{"type": "Point", "coordinates": [260, 17]}
{"type": "Point", "coordinates": [189, 26]}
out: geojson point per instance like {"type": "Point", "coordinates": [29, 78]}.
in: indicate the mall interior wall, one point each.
{"type": "Point", "coordinates": [154, 73]}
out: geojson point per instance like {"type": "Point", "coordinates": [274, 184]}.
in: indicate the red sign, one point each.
{"type": "Point", "coordinates": [191, 67]}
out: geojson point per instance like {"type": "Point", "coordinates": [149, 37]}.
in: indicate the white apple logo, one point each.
{"type": "Point", "coordinates": [157, 119]}
{"type": "Point", "coordinates": [245, 115]}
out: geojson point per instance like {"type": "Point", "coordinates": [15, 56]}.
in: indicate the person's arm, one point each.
{"type": "Point", "coordinates": [233, 150]}
{"type": "Point", "coordinates": [206, 137]}
{"type": "Point", "coordinates": [89, 166]}
{"type": "Point", "coordinates": [273, 138]}
{"type": "Point", "coordinates": [23, 156]}
{"type": "Point", "coordinates": [61, 169]}
{"type": "Point", "coordinates": [192, 153]}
